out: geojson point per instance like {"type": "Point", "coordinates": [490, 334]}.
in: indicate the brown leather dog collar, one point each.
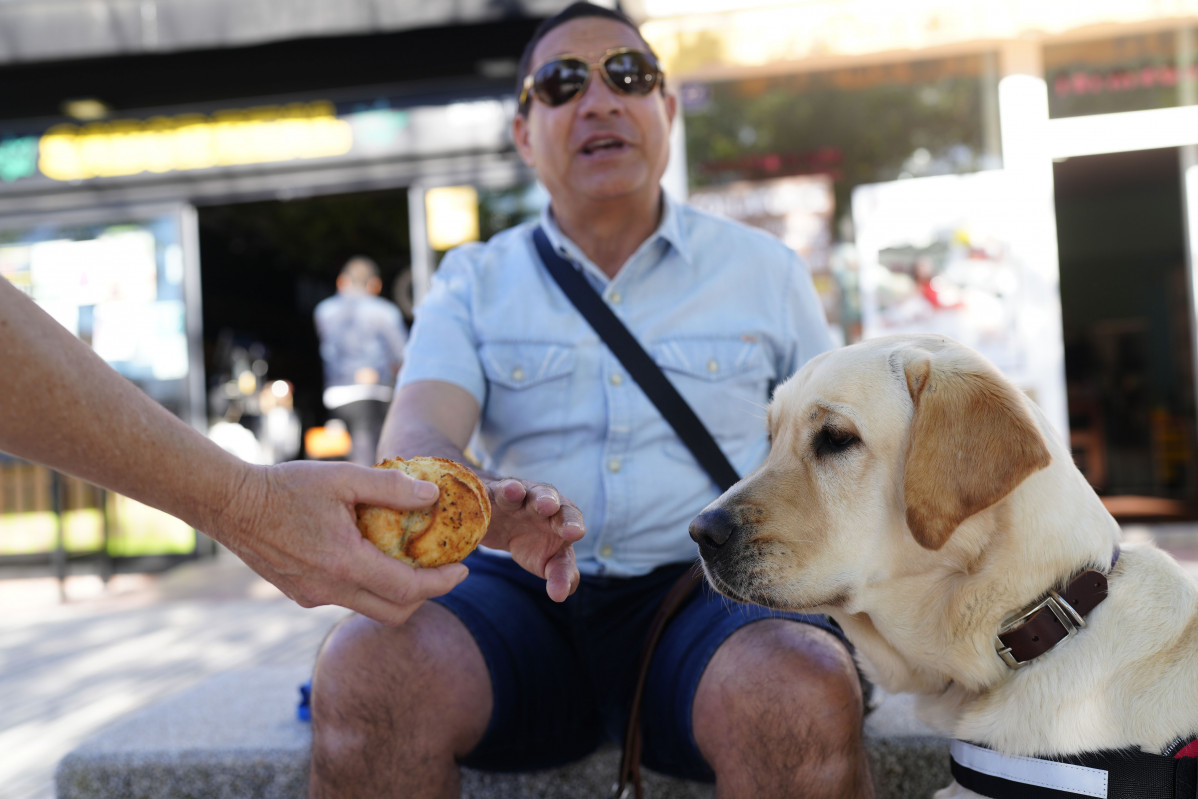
{"type": "Point", "coordinates": [1045, 624]}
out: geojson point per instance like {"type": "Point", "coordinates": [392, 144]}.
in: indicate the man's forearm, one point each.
{"type": "Point", "coordinates": [432, 419]}
{"type": "Point", "coordinates": [64, 407]}
{"type": "Point", "coordinates": [410, 438]}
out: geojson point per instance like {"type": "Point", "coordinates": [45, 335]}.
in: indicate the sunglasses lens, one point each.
{"type": "Point", "coordinates": [632, 72]}
{"type": "Point", "coordinates": [559, 81]}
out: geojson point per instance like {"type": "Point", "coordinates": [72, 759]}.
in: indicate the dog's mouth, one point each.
{"type": "Point", "coordinates": [722, 585]}
{"type": "Point", "coordinates": [745, 584]}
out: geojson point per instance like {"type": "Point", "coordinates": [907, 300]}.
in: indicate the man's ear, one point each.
{"type": "Point", "coordinates": [972, 442]}
{"type": "Point", "coordinates": [520, 135]}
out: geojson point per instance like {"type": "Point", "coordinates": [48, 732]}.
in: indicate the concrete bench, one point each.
{"type": "Point", "coordinates": [236, 736]}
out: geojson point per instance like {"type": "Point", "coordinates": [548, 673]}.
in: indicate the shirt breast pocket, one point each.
{"type": "Point", "coordinates": [726, 381]}
{"type": "Point", "coordinates": [528, 396]}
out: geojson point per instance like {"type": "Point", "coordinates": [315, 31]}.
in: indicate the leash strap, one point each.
{"type": "Point", "coordinates": [690, 429]}
{"type": "Point", "coordinates": [1122, 774]}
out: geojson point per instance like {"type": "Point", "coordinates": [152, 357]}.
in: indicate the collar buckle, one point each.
{"type": "Point", "coordinates": [1065, 613]}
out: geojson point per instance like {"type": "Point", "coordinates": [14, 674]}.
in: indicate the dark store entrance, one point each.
{"type": "Point", "coordinates": [1125, 303]}
{"type": "Point", "coordinates": [263, 268]}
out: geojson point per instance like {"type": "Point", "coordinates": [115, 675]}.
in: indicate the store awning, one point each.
{"type": "Point", "coordinates": [51, 30]}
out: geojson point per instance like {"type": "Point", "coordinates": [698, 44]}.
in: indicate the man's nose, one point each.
{"type": "Point", "coordinates": [597, 96]}
{"type": "Point", "coordinates": [711, 529]}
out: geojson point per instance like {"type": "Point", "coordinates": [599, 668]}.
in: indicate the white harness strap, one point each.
{"type": "Point", "coordinates": [1077, 780]}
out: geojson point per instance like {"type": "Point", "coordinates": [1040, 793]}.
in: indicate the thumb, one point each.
{"type": "Point", "coordinates": [393, 489]}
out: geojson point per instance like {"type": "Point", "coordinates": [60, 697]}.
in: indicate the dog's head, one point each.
{"type": "Point", "coordinates": [879, 452]}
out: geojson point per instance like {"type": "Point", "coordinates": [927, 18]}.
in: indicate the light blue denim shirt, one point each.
{"type": "Point", "coordinates": [728, 312]}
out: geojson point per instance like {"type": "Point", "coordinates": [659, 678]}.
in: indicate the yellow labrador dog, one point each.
{"type": "Point", "coordinates": [917, 497]}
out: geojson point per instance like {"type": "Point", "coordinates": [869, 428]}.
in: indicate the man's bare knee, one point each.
{"type": "Point", "coordinates": [374, 684]}
{"type": "Point", "coordinates": [781, 701]}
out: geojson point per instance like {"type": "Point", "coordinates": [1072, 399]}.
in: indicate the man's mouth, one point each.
{"type": "Point", "coordinates": [603, 145]}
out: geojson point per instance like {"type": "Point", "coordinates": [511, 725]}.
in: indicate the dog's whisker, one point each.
{"type": "Point", "coordinates": [762, 408]}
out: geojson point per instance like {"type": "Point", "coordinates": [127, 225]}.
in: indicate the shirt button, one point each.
{"type": "Point", "coordinates": [607, 552]}
{"type": "Point", "coordinates": [616, 379]}
{"type": "Point", "coordinates": [613, 465]}
{"type": "Point", "coordinates": [713, 366]}
{"type": "Point", "coordinates": [517, 374]}
{"type": "Point", "coordinates": [615, 298]}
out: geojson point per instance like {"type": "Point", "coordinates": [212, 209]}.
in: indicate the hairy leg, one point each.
{"type": "Point", "coordinates": [779, 713]}
{"type": "Point", "coordinates": [393, 707]}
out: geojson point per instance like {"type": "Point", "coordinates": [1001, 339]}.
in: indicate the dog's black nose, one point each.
{"type": "Point", "coordinates": [711, 529]}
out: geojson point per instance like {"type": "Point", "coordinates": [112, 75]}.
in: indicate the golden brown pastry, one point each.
{"type": "Point", "coordinates": [445, 532]}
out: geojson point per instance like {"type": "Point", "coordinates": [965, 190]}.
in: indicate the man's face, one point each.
{"type": "Point", "coordinates": [601, 145]}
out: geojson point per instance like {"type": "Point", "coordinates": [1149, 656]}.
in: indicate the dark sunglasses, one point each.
{"type": "Point", "coordinates": [559, 81]}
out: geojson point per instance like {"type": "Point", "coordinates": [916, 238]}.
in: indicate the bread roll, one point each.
{"type": "Point", "coordinates": [445, 532]}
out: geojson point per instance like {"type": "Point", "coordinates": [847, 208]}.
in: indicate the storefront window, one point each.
{"type": "Point", "coordinates": [860, 124]}
{"type": "Point", "coordinates": [119, 286]}
{"type": "Point", "coordinates": [753, 141]}
{"type": "Point", "coordinates": [116, 285]}
{"type": "Point", "coordinates": [1124, 73]}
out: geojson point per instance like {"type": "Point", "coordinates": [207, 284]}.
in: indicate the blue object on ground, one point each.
{"type": "Point", "coordinates": [304, 710]}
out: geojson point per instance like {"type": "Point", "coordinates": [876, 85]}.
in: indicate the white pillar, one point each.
{"type": "Point", "coordinates": [1023, 117]}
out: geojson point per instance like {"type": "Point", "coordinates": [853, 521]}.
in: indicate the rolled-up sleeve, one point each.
{"type": "Point", "coordinates": [803, 311]}
{"type": "Point", "coordinates": [443, 344]}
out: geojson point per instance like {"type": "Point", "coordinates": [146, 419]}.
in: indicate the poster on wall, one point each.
{"type": "Point", "coordinates": [948, 255]}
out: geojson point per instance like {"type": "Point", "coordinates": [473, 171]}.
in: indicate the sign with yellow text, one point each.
{"type": "Point", "coordinates": [194, 141]}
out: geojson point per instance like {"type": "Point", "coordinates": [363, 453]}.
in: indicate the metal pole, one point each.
{"type": "Point", "coordinates": [59, 555]}
{"type": "Point", "coordinates": [1187, 94]}
{"type": "Point", "coordinates": [422, 256]}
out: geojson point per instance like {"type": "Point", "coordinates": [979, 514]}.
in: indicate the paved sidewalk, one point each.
{"type": "Point", "coordinates": [69, 669]}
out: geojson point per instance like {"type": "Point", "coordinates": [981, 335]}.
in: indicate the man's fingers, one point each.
{"type": "Point", "coordinates": [561, 575]}
{"type": "Point", "coordinates": [389, 590]}
{"type": "Point", "coordinates": [509, 495]}
{"type": "Point", "coordinates": [544, 500]}
{"type": "Point", "coordinates": [381, 610]}
{"type": "Point", "coordinates": [396, 581]}
{"type": "Point", "coordinates": [513, 495]}
{"type": "Point", "coordinates": [393, 489]}
{"type": "Point", "coordinates": [572, 528]}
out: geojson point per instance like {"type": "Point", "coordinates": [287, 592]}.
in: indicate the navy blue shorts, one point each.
{"type": "Point", "coordinates": [563, 674]}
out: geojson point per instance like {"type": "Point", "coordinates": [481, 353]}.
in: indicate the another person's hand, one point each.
{"type": "Point", "coordinates": [539, 527]}
{"type": "Point", "coordinates": [305, 539]}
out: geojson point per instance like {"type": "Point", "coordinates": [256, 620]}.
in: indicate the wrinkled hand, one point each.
{"type": "Point", "coordinates": [539, 528]}
{"type": "Point", "coordinates": [295, 525]}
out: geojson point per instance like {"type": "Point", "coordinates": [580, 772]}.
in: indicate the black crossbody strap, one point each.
{"type": "Point", "coordinates": [686, 424]}
{"type": "Point", "coordinates": [640, 366]}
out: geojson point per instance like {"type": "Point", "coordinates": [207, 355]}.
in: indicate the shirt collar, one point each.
{"type": "Point", "coordinates": [669, 231]}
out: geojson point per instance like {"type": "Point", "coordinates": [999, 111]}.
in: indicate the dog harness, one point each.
{"type": "Point", "coordinates": [1116, 774]}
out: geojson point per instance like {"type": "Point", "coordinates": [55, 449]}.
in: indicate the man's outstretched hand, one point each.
{"type": "Point", "coordinates": [295, 525]}
{"type": "Point", "coordinates": [539, 527]}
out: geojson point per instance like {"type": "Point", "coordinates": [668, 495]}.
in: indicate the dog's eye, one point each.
{"type": "Point", "coordinates": [830, 441]}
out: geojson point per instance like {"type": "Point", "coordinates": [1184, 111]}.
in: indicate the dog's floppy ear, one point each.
{"type": "Point", "coordinates": [972, 441]}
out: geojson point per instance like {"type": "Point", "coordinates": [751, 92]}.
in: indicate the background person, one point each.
{"type": "Point", "coordinates": [362, 338]}
{"type": "Point", "coordinates": [496, 676]}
